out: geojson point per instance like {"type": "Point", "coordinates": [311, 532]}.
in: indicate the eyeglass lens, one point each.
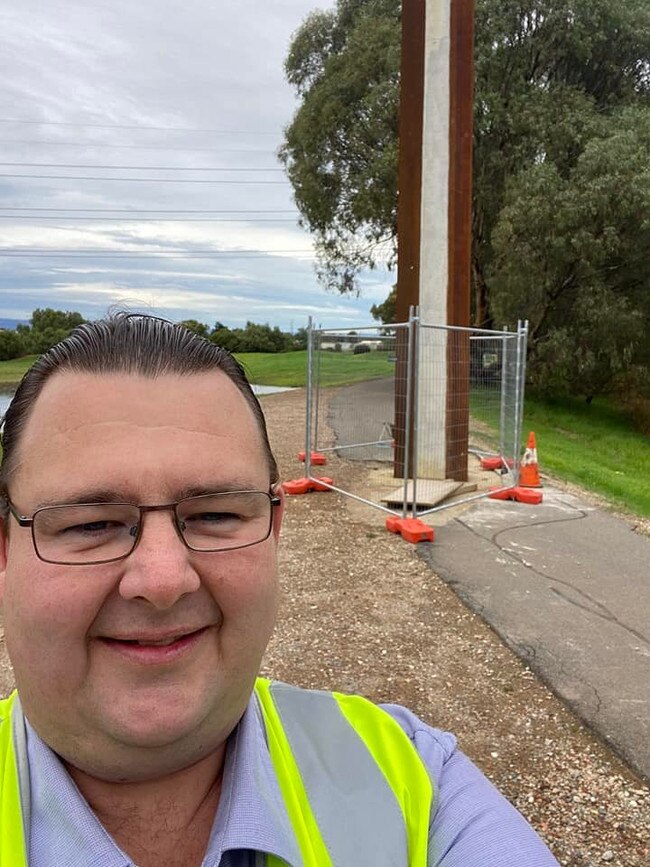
{"type": "Point", "coordinates": [92, 533]}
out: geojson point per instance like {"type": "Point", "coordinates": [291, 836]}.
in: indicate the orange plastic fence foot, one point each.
{"type": "Point", "coordinates": [410, 529]}
{"type": "Point", "coordinates": [495, 463]}
{"type": "Point", "coordinates": [316, 458]}
{"type": "Point", "coordinates": [296, 486]}
{"type": "Point", "coordinates": [317, 484]}
{"type": "Point", "coordinates": [531, 496]}
{"type": "Point", "coordinates": [306, 486]}
{"type": "Point", "coordinates": [521, 495]}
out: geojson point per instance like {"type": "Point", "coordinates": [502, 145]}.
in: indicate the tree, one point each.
{"type": "Point", "coordinates": [195, 326]}
{"type": "Point", "coordinates": [585, 239]}
{"type": "Point", "coordinates": [561, 91]}
{"type": "Point", "coordinates": [11, 345]}
{"type": "Point", "coordinates": [252, 338]}
{"type": "Point", "coordinates": [47, 327]}
{"type": "Point", "coordinates": [386, 312]}
{"type": "Point", "coordinates": [340, 150]}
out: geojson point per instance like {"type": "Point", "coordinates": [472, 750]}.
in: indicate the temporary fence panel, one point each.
{"type": "Point", "coordinates": [461, 389]}
{"type": "Point", "coordinates": [355, 426]}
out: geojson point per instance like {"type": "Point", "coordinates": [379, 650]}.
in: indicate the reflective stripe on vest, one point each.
{"type": "Point", "coordinates": [354, 786]}
{"type": "Point", "coordinates": [12, 840]}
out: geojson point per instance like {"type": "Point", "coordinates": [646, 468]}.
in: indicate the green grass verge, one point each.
{"type": "Point", "coordinates": [594, 446]}
{"type": "Point", "coordinates": [335, 368]}
{"type": "Point", "coordinates": [12, 371]}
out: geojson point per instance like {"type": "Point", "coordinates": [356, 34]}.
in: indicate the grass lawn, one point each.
{"type": "Point", "coordinates": [12, 371]}
{"type": "Point", "coordinates": [595, 447]}
{"type": "Point", "coordinates": [336, 368]}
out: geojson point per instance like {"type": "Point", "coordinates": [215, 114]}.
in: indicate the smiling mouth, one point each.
{"type": "Point", "coordinates": [164, 642]}
{"type": "Point", "coordinates": [177, 639]}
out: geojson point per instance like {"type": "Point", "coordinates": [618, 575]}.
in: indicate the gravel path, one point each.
{"type": "Point", "coordinates": [361, 612]}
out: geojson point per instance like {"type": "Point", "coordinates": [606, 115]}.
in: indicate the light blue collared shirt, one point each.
{"type": "Point", "coordinates": [472, 823]}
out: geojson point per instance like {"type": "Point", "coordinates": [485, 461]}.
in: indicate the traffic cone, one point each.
{"type": "Point", "coordinates": [529, 470]}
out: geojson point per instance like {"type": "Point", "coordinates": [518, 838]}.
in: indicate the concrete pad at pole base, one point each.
{"type": "Point", "coordinates": [429, 492]}
{"type": "Point", "coordinates": [567, 586]}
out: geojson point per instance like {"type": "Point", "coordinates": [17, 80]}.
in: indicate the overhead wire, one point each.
{"type": "Point", "coordinates": [16, 253]}
{"type": "Point", "coordinates": [143, 168]}
{"type": "Point", "coordinates": [84, 219]}
{"type": "Point", "coordinates": [134, 179]}
{"type": "Point", "coordinates": [158, 210]}
{"type": "Point", "coordinates": [143, 147]}
{"type": "Point", "coordinates": [138, 127]}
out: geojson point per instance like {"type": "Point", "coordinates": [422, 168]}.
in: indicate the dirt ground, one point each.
{"type": "Point", "coordinates": [361, 612]}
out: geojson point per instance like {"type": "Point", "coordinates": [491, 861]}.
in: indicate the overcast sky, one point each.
{"type": "Point", "coordinates": [177, 88]}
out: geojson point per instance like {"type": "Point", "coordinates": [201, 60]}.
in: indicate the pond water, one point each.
{"type": "Point", "coordinates": [5, 396]}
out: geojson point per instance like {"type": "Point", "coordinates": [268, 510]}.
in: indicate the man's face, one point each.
{"type": "Point", "coordinates": [111, 706]}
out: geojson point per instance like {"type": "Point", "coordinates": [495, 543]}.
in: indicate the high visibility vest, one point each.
{"type": "Point", "coordinates": [355, 790]}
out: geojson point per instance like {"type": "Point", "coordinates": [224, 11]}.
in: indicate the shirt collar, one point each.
{"type": "Point", "coordinates": [251, 813]}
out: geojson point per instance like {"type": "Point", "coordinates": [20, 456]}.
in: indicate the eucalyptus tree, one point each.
{"type": "Point", "coordinates": [560, 218]}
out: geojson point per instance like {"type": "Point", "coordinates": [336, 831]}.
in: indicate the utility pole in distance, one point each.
{"type": "Point", "coordinates": [435, 218]}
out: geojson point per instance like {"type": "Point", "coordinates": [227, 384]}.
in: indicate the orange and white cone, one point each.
{"type": "Point", "coordinates": [529, 469]}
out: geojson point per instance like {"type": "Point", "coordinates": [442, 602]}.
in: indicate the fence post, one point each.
{"type": "Point", "coordinates": [518, 406]}
{"type": "Point", "coordinates": [408, 457]}
{"type": "Point", "coordinates": [310, 348]}
{"type": "Point", "coordinates": [504, 391]}
{"type": "Point", "coordinates": [416, 408]}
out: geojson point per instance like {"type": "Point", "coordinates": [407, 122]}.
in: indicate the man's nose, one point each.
{"type": "Point", "coordinates": [159, 570]}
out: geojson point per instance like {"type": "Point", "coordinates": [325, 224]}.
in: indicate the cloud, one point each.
{"type": "Point", "coordinates": [155, 84]}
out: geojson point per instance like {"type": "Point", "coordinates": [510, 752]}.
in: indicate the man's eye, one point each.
{"type": "Point", "coordinates": [212, 517]}
{"type": "Point", "coordinates": [95, 528]}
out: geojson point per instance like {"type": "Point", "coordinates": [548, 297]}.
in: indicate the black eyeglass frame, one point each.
{"type": "Point", "coordinates": [27, 521]}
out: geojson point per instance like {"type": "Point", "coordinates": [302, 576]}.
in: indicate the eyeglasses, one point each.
{"type": "Point", "coordinates": [87, 533]}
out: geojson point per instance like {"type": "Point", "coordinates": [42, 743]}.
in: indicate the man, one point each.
{"type": "Point", "coordinates": [139, 529]}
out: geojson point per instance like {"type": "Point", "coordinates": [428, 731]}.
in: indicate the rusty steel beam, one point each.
{"type": "Point", "coordinates": [461, 116]}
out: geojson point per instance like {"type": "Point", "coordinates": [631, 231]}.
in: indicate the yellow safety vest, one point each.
{"type": "Point", "coordinates": [355, 789]}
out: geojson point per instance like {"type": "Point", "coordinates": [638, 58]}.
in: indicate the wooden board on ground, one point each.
{"type": "Point", "coordinates": [429, 492]}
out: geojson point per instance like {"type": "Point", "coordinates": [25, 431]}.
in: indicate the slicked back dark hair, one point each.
{"type": "Point", "coordinates": [133, 344]}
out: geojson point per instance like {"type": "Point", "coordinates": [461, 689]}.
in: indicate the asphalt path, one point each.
{"type": "Point", "coordinates": [567, 587]}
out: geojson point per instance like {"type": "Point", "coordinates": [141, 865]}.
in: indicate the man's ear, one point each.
{"type": "Point", "coordinates": [4, 544]}
{"type": "Point", "coordinates": [278, 511]}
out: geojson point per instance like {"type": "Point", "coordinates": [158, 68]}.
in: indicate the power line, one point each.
{"type": "Point", "coordinates": [156, 210]}
{"type": "Point", "coordinates": [132, 180]}
{"type": "Point", "coordinates": [148, 147]}
{"type": "Point", "coordinates": [139, 127]}
{"type": "Point", "coordinates": [143, 168]}
{"type": "Point", "coordinates": [84, 219]}
{"type": "Point", "coordinates": [16, 252]}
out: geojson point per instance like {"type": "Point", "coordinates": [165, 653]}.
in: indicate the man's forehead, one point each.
{"type": "Point", "coordinates": [75, 408]}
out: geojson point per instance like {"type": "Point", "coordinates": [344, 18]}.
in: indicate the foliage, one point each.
{"type": "Point", "coordinates": [46, 327]}
{"type": "Point", "coordinates": [252, 338]}
{"type": "Point", "coordinates": [197, 327]}
{"type": "Point", "coordinates": [561, 212]}
{"type": "Point", "coordinates": [386, 312]}
{"type": "Point", "coordinates": [11, 345]}
{"type": "Point", "coordinates": [340, 150]}
{"type": "Point", "coordinates": [585, 238]}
